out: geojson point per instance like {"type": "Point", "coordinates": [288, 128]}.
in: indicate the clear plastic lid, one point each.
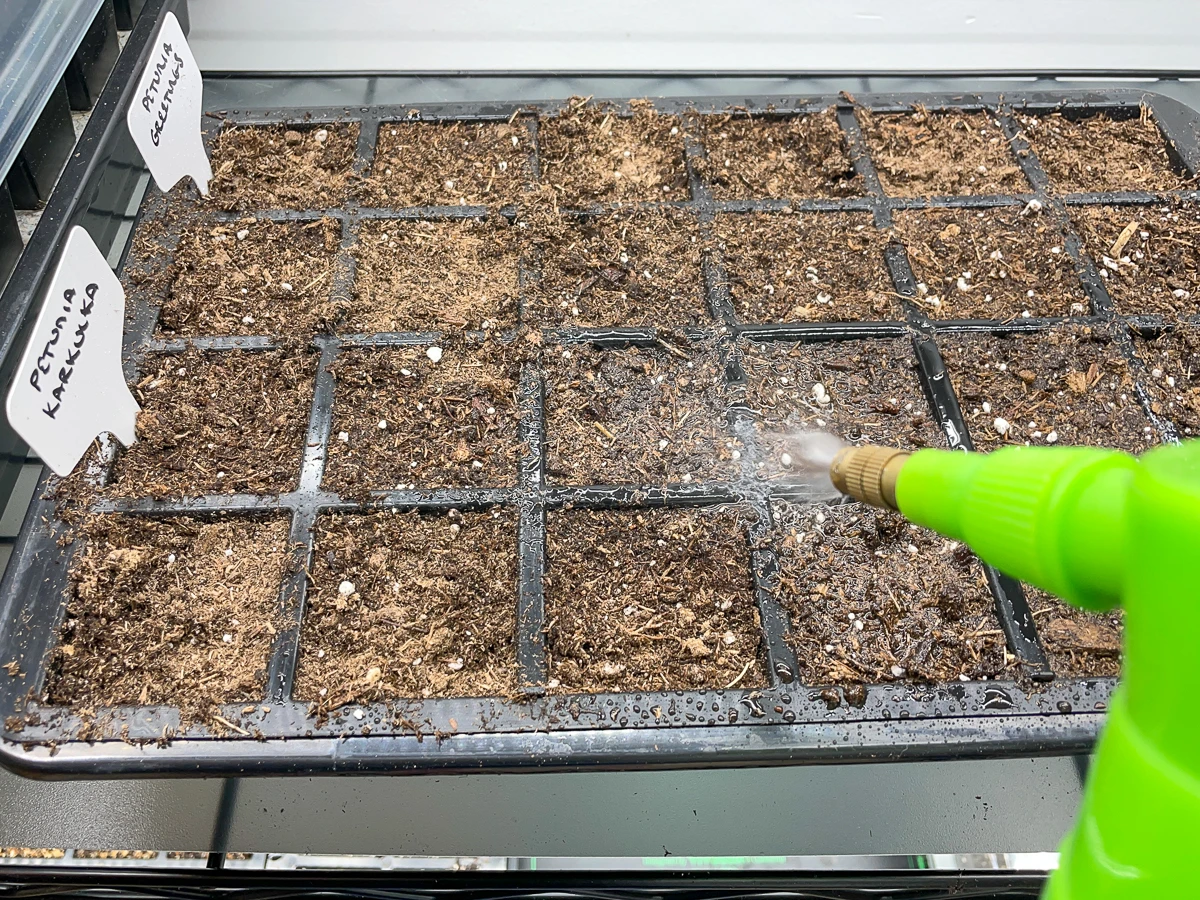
{"type": "Point", "coordinates": [37, 41]}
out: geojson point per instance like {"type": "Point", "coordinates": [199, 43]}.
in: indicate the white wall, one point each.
{"type": "Point", "coordinates": [863, 36]}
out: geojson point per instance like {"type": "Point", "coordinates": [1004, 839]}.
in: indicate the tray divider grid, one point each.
{"type": "Point", "coordinates": [281, 665]}
{"type": "Point", "coordinates": [782, 668]}
{"type": "Point", "coordinates": [1116, 325]}
{"type": "Point", "coordinates": [1009, 602]}
{"type": "Point", "coordinates": [717, 295]}
{"type": "Point", "coordinates": [364, 150]}
{"type": "Point", "coordinates": [860, 159]}
{"type": "Point", "coordinates": [531, 534]}
{"type": "Point", "coordinates": [281, 670]}
{"type": "Point", "coordinates": [1027, 159]}
{"type": "Point", "coordinates": [1011, 608]}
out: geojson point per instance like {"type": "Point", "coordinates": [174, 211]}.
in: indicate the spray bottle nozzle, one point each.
{"type": "Point", "coordinates": [868, 473]}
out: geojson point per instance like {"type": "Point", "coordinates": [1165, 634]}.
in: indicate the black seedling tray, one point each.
{"type": "Point", "coordinates": [786, 722]}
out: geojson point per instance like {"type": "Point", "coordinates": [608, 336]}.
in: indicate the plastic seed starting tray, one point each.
{"type": "Point", "coordinates": [785, 722]}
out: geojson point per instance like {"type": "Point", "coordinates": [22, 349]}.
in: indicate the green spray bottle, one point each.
{"type": "Point", "coordinates": [1100, 529]}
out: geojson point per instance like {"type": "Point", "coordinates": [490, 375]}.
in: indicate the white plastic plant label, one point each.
{"type": "Point", "coordinates": [70, 387]}
{"type": "Point", "coordinates": [164, 115]}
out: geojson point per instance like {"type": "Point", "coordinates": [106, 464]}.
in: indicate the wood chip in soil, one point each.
{"type": "Point", "coordinates": [650, 600]}
{"type": "Point", "coordinates": [254, 277]}
{"type": "Point", "coordinates": [401, 419]}
{"type": "Point", "coordinates": [861, 391]}
{"type": "Point", "coordinates": [1065, 386]}
{"type": "Point", "coordinates": [448, 164]}
{"type": "Point", "coordinates": [591, 153]}
{"type": "Point", "coordinates": [1173, 366]}
{"type": "Point", "coordinates": [170, 611]}
{"type": "Point", "coordinates": [430, 275]}
{"type": "Point", "coordinates": [1079, 644]}
{"type": "Point", "coordinates": [282, 166]}
{"type": "Point", "coordinates": [629, 268]}
{"type": "Point", "coordinates": [644, 416]}
{"type": "Point", "coordinates": [410, 605]}
{"type": "Point", "coordinates": [991, 264]}
{"type": "Point", "coordinates": [812, 267]}
{"type": "Point", "coordinates": [873, 599]}
{"type": "Point", "coordinates": [1148, 256]}
{"type": "Point", "coordinates": [923, 153]}
{"type": "Point", "coordinates": [776, 157]}
{"type": "Point", "coordinates": [1098, 153]}
{"type": "Point", "coordinates": [213, 423]}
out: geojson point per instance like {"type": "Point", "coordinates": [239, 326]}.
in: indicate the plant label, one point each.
{"type": "Point", "coordinates": [69, 387]}
{"type": "Point", "coordinates": [164, 114]}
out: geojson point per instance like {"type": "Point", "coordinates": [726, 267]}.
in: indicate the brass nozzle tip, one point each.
{"type": "Point", "coordinates": [868, 473]}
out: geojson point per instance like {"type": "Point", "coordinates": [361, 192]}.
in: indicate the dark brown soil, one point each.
{"type": "Point", "coordinates": [1154, 267]}
{"type": "Point", "coordinates": [282, 167]}
{"type": "Point", "coordinates": [638, 416]}
{"type": "Point", "coordinates": [628, 268]}
{"type": "Point", "coordinates": [650, 600]}
{"type": "Point", "coordinates": [217, 423]}
{"type": "Point", "coordinates": [1173, 364]}
{"type": "Point", "coordinates": [410, 605]}
{"type": "Point", "coordinates": [815, 267]}
{"type": "Point", "coordinates": [1080, 644]}
{"type": "Point", "coordinates": [870, 390]}
{"type": "Point", "coordinates": [591, 154]}
{"type": "Point", "coordinates": [273, 279]}
{"type": "Point", "coordinates": [784, 157]}
{"type": "Point", "coordinates": [447, 424]}
{"type": "Point", "coordinates": [435, 164]}
{"type": "Point", "coordinates": [414, 276]}
{"type": "Point", "coordinates": [925, 153]}
{"type": "Point", "coordinates": [174, 611]}
{"type": "Point", "coordinates": [872, 598]}
{"type": "Point", "coordinates": [990, 264]}
{"type": "Point", "coordinates": [1066, 386]}
{"type": "Point", "coordinates": [1101, 154]}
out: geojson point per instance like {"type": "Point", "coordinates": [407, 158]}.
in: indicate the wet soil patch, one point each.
{"type": "Point", "coordinates": [1098, 153]}
{"type": "Point", "coordinates": [862, 391]}
{"type": "Point", "coordinates": [282, 166]}
{"type": "Point", "coordinates": [1148, 256]}
{"type": "Point", "coordinates": [643, 416]}
{"type": "Point", "coordinates": [175, 611]}
{"type": "Point", "coordinates": [814, 267]}
{"type": "Point", "coordinates": [410, 605]}
{"type": "Point", "coordinates": [991, 264]}
{"type": "Point", "coordinates": [422, 275]}
{"type": "Point", "coordinates": [873, 599]}
{"type": "Point", "coordinates": [781, 157]}
{"type": "Point", "coordinates": [1173, 365]}
{"type": "Point", "coordinates": [1066, 386]}
{"type": "Point", "coordinates": [436, 164]}
{"type": "Point", "coordinates": [216, 423]}
{"type": "Point", "coordinates": [925, 153]}
{"type": "Point", "coordinates": [1079, 644]}
{"type": "Point", "coordinates": [650, 600]}
{"type": "Point", "coordinates": [254, 277]}
{"type": "Point", "coordinates": [401, 419]}
{"type": "Point", "coordinates": [630, 268]}
{"type": "Point", "coordinates": [592, 154]}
